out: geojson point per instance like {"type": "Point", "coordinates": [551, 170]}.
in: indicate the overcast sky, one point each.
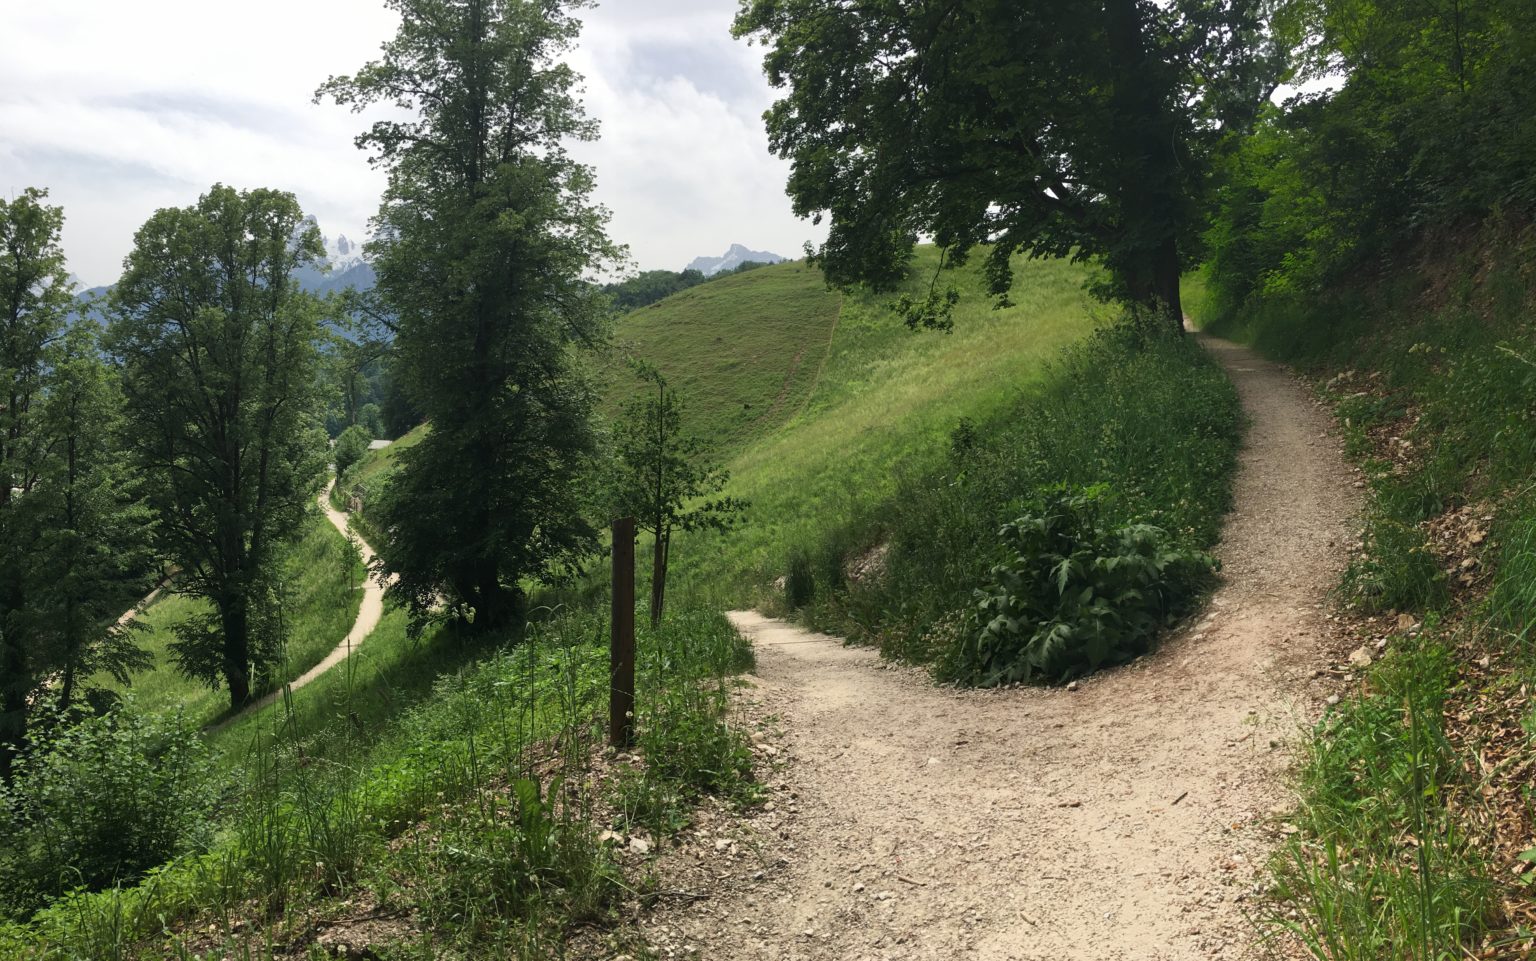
{"type": "Point", "coordinates": [120, 108]}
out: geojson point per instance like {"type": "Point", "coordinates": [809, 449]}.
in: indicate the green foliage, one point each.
{"type": "Point", "coordinates": [1379, 772]}
{"type": "Point", "coordinates": [350, 448]}
{"type": "Point", "coordinates": [1152, 417]}
{"type": "Point", "coordinates": [1056, 128]}
{"type": "Point", "coordinates": [429, 773]}
{"type": "Point", "coordinates": [106, 799]}
{"type": "Point", "coordinates": [1074, 596]}
{"type": "Point", "coordinates": [648, 287]}
{"type": "Point", "coordinates": [662, 477]}
{"type": "Point", "coordinates": [1429, 127]}
{"type": "Point", "coordinates": [219, 352]}
{"type": "Point", "coordinates": [486, 235]}
{"type": "Point", "coordinates": [73, 534]}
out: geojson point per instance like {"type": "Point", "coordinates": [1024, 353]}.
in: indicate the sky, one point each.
{"type": "Point", "coordinates": [121, 108]}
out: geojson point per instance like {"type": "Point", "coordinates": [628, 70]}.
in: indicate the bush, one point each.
{"type": "Point", "coordinates": [1076, 595]}
{"type": "Point", "coordinates": [102, 801]}
{"type": "Point", "coordinates": [350, 448]}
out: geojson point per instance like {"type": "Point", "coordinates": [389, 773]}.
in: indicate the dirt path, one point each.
{"type": "Point", "coordinates": [368, 617]}
{"type": "Point", "coordinates": [1125, 820]}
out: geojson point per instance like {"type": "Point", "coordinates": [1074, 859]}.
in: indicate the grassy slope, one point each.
{"type": "Point", "coordinates": [884, 405]}
{"type": "Point", "coordinates": [320, 573]}
{"type": "Point", "coordinates": [743, 351]}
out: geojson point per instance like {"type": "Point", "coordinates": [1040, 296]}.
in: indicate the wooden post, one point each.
{"type": "Point", "coordinates": [621, 650]}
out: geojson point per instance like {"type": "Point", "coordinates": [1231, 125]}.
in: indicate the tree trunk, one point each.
{"type": "Point", "coordinates": [1147, 153]}
{"type": "Point", "coordinates": [659, 578]}
{"type": "Point", "coordinates": [67, 688]}
{"type": "Point", "coordinates": [1166, 273]}
{"type": "Point", "coordinates": [497, 608]}
{"type": "Point", "coordinates": [237, 650]}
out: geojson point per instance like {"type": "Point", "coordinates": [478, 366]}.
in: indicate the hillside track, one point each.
{"type": "Point", "coordinates": [369, 613]}
{"type": "Point", "coordinates": [1127, 819]}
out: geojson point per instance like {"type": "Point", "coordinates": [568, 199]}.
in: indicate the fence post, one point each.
{"type": "Point", "coordinates": [621, 650]}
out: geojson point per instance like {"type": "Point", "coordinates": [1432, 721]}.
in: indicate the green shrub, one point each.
{"type": "Point", "coordinates": [1074, 596]}
{"type": "Point", "coordinates": [350, 448]}
{"type": "Point", "coordinates": [101, 802]}
{"type": "Point", "coordinates": [1152, 415]}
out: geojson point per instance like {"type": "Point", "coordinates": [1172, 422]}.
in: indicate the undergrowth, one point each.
{"type": "Point", "coordinates": [477, 812]}
{"type": "Point", "coordinates": [1146, 420]}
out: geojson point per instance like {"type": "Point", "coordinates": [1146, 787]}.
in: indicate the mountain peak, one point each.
{"type": "Point", "coordinates": [734, 257]}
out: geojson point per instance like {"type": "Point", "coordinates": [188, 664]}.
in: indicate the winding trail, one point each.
{"type": "Point", "coordinates": [368, 616]}
{"type": "Point", "coordinates": [1128, 819]}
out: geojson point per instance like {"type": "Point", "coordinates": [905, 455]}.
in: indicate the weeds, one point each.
{"type": "Point", "coordinates": [1153, 417]}
{"type": "Point", "coordinates": [1382, 866]}
{"type": "Point", "coordinates": [478, 806]}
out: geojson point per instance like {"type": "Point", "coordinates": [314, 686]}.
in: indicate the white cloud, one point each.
{"type": "Point", "coordinates": [121, 108]}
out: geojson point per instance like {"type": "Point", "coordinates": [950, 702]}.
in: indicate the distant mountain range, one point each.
{"type": "Point", "coordinates": [733, 258]}
{"type": "Point", "coordinates": [344, 257]}
{"type": "Point", "coordinates": [348, 268]}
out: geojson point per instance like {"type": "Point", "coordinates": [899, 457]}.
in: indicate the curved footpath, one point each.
{"type": "Point", "coordinates": [1128, 819]}
{"type": "Point", "coordinates": [368, 616]}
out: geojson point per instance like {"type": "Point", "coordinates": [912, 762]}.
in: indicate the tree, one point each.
{"type": "Point", "coordinates": [350, 448]}
{"type": "Point", "coordinates": [92, 545]}
{"type": "Point", "coordinates": [482, 243]}
{"type": "Point", "coordinates": [72, 535]}
{"type": "Point", "coordinates": [661, 471]}
{"type": "Point", "coordinates": [218, 349]}
{"type": "Point", "coordinates": [1056, 127]}
{"type": "Point", "coordinates": [35, 297]}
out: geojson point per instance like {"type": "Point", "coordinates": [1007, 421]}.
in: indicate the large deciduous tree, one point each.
{"type": "Point", "coordinates": [482, 243]}
{"type": "Point", "coordinates": [218, 349]}
{"type": "Point", "coordinates": [1055, 127]}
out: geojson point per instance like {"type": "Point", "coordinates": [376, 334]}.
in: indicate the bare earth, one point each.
{"type": "Point", "coordinates": [1128, 819]}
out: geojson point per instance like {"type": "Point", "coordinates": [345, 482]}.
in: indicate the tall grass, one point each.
{"type": "Point", "coordinates": [1151, 419]}
{"type": "Point", "coordinates": [1383, 867]}
{"type": "Point", "coordinates": [474, 805]}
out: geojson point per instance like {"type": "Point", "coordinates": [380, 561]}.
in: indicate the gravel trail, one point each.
{"type": "Point", "coordinates": [1127, 819]}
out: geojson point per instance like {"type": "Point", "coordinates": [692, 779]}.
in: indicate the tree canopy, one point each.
{"type": "Point", "coordinates": [482, 245]}
{"type": "Point", "coordinates": [219, 352]}
{"type": "Point", "coordinates": [1057, 128]}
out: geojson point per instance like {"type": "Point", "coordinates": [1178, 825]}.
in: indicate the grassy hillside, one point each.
{"type": "Point", "coordinates": [744, 352]}
{"type": "Point", "coordinates": [883, 407]}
